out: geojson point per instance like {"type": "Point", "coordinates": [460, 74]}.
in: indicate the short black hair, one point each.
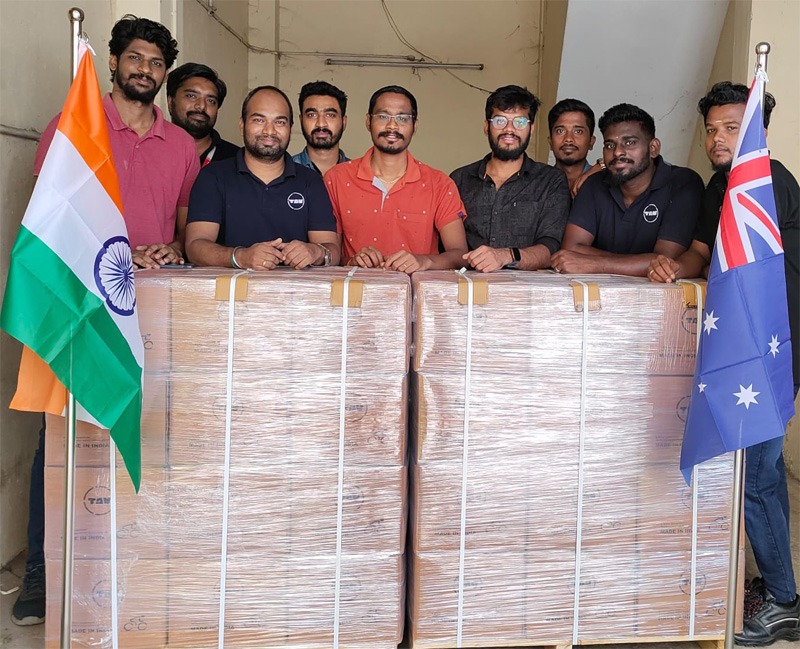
{"type": "Point", "coordinates": [570, 106]}
{"type": "Point", "coordinates": [628, 113]}
{"type": "Point", "coordinates": [508, 97]}
{"type": "Point", "coordinates": [129, 28]}
{"type": "Point", "coordinates": [273, 89]}
{"type": "Point", "coordinates": [727, 92]}
{"type": "Point", "coordinates": [189, 70]}
{"type": "Point", "coordinates": [324, 89]}
{"type": "Point", "coordinates": [396, 90]}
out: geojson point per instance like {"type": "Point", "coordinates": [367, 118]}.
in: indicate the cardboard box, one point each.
{"type": "Point", "coordinates": [141, 518]}
{"type": "Point", "coordinates": [142, 604]}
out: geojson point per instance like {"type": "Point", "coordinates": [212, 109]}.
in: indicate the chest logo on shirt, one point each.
{"type": "Point", "coordinates": [296, 201]}
{"type": "Point", "coordinates": [650, 213]}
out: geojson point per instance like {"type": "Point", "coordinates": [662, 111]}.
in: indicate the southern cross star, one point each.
{"type": "Point", "coordinates": [710, 322]}
{"type": "Point", "coordinates": [746, 396]}
{"type": "Point", "coordinates": [773, 346]}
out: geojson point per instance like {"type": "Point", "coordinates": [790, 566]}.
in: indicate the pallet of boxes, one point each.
{"type": "Point", "coordinates": [273, 506]}
{"type": "Point", "coordinates": [546, 502]}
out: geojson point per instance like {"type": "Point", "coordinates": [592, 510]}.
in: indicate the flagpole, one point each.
{"type": "Point", "coordinates": [76, 23]}
{"type": "Point", "coordinates": [762, 50]}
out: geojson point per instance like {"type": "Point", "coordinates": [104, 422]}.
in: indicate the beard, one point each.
{"type": "Point", "coordinates": [722, 166]}
{"type": "Point", "coordinates": [132, 92]}
{"type": "Point", "coordinates": [393, 148]}
{"type": "Point", "coordinates": [197, 129]}
{"type": "Point", "coordinates": [324, 145]}
{"type": "Point", "coordinates": [271, 149]}
{"type": "Point", "coordinates": [506, 154]}
{"type": "Point", "coordinates": [571, 162]}
{"type": "Point", "coordinates": [620, 177]}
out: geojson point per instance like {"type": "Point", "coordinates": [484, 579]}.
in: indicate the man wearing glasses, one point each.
{"type": "Point", "coordinates": [517, 208]}
{"type": "Point", "coordinates": [391, 209]}
{"type": "Point", "coordinates": [638, 207]}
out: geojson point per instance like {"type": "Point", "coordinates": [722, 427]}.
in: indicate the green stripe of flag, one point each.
{"type": "Point", "coordinates": [45, 306]}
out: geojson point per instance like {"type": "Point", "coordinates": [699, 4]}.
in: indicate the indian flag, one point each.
{"type": "Point", "coordinates": [70, 295]}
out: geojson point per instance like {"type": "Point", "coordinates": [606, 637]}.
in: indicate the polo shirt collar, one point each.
{"type": "Point", "coordinates": [365, 169]}
{"type": "Point", "coordinates": [527, 166]}
{"type": "Point", "coordinates": [289, 167]}
{"type": "Point", "coordinates": [157, 129]}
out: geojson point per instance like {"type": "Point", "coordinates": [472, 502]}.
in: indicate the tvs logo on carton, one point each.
{"type": "Point", "coordinates": [682, 409]}
{"type": "Point", "coordinates": [97, 500]}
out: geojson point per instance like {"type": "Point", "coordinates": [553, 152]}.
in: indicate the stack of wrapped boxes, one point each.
{"type": "Point", "coordinates": [273, 496]}
{"type": "Point", "coordinates": [546, 501]}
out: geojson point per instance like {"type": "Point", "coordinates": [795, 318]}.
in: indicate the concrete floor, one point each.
{"type": "Point", "coordinates": [32, 637]}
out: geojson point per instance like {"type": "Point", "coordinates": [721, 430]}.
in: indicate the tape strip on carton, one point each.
{"type": "Point", "coordinates": [354, 294]}
{"type": "Point", "coordinates": [585, 293]}
{"type": "Point", "coordinates": [225, 285]}
{"type": "Point", "coordinates": [586, 298]}
{"type": "Point", "coordinates": [346, 287]}
{"type": "Point", "coordinates": [467, 282]}
{"type": "Point", "coordinates": [476, 290]}
{"type": "Point", "coordinates": [694, 295]}
{"type": "Point", "coordinates": [233, 290]}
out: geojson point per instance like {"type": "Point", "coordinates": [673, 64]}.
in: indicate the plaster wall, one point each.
{"type": "Point", "coordinates": [504, 36]}
{"type": "Point", "coordinates": [656, 55]}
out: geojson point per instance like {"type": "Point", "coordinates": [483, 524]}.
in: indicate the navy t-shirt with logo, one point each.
{"type": "Point", "coordinates": [667, 210]}
{"type": "Point", "coordinates": [248, 211]}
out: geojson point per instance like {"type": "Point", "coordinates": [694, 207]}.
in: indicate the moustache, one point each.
{"type": "Point", "coordinates": [320, 131]}
{"type": "Point", "coordinates": [143, 77]}
{"type": "Point", "coordinates": [198, 113]}
{"type": "Point", "coordinates": [388, 133]}
{"type": "Point", "coordinates": [623, 160]}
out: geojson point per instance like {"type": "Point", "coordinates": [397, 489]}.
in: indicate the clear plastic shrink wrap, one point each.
{"type": "Point", "coordinates": [252, 543]}
{"type": "Point", "coordinates": [546, 500]}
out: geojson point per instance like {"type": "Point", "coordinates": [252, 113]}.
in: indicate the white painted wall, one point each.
{"type": "Point", "coordinates": [656, 54]}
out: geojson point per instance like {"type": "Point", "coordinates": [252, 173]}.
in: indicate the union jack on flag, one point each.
{"type": "Point", "coordinates": [743, 387]}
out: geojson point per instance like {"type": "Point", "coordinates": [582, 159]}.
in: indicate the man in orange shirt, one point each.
{"type": "Point", "coordinates": [391, 209]}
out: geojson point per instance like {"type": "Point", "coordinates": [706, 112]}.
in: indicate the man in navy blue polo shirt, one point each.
{"type": "Point", "coordinates": [259, 209]}
{"type": "Point", "coordinates": [638, 207]}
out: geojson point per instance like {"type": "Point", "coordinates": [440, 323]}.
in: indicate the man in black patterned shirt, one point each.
{"type": "Point", "coordinates": [516, 208]}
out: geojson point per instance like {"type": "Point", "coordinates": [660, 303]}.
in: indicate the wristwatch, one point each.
{"type": "Point", "coordinates": [326, 255]}
{"type": "Point", "coordinates": [601, 163]}
{"type": "Point", "coordinates": [516, 258]}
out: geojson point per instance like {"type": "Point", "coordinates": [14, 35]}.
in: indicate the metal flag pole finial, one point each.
{"type": "Point", "coordinates": [76, 16]}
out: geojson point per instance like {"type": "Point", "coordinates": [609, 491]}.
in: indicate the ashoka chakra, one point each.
{"type": "Point", "coordinates": [113, 274]}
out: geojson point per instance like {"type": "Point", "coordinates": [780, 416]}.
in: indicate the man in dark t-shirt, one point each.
{"type": "Point", "coordinates": [772, 606]}
{"type": "Point", "coordinates": [259, 209]}
{"type": "Point", "coordinates": [636, 208]}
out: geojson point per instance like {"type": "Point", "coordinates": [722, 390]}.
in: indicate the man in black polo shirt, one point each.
{"type": "Point", "coordinates": [194, 96]}
{"type": "Point", "coordinates": [259, 209]}
{"type": "Point", "coordinates": [772, 606]}
{"type": "Point", "coordinates": [638, 207]}
{"type": "Point", "coordinates": [516, 208]}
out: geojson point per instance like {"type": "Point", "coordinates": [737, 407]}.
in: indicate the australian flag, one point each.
{"type": "Point", "coordinates": [743, 389]}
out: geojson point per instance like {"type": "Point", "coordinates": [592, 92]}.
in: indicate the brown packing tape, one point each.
{"type": "Point", "coordinates": [594, 296]}
{"type": "Point", "coordinates": [690, 292]}
{"type": "Point", "coordinates": [480, 291]}
{"type": "Point", "coordinates": [355, 293]}
{"type": "Point", "coordinates": [223, 288]}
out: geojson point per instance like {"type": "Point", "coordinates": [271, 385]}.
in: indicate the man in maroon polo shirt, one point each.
{"type": "Point", "coordinates": [156, 161]}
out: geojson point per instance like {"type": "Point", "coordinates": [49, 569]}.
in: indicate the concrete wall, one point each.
{"type": "Point", "coordinates": [503, 35]}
